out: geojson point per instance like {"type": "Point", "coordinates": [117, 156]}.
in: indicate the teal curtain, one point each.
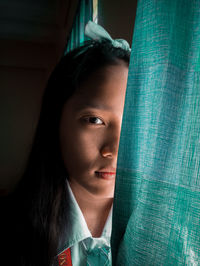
{"type": "Point", "coordinates": [83, 15]}
{"type": "Point", "coordinates": [156, 219]}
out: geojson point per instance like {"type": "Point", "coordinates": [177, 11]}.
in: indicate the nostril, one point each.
{"type": "Point", "coordinates": [107, 155]}
{"type": "Point", "coordinates": [110, 146]}
{"type": "Point", "coordinates": [107, 152]}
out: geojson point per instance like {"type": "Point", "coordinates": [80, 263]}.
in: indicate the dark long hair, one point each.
{"type": "Point", "coordinates": [40, 197]}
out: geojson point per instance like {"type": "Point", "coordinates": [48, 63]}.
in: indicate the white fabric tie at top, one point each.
{"type": "Point", "coordinates": [97, 33]}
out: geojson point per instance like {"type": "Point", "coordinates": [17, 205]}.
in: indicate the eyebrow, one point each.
{"type": "Point", "coordinates": [93, 106]}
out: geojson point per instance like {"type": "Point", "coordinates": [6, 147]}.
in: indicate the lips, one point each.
{"type": "Point", "coordinates": [106, 174]}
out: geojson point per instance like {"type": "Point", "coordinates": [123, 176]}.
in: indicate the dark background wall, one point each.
{"type": "Point", "coordinates": [32, 38]}
{"type": "Point", "coordinates": [118, 17]}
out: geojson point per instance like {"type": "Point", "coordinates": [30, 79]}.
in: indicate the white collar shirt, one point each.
{"type": "Point", "coordinates": [80, 241]}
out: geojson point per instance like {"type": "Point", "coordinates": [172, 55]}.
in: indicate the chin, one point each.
{"type": "Point", "coordinates": [105, 195]}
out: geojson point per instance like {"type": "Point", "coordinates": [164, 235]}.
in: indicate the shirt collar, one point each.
{"type": "Point", "coordinates": [77, 229]}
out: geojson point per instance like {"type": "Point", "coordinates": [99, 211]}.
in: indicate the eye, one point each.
{"type": "Point", "coordinates": [94, 120]}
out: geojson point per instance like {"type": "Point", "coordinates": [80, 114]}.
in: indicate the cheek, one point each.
{"type": "Point", "coordinates": [80, 150]}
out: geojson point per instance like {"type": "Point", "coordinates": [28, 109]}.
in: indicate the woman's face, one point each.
{"type": "Point", "coordinates": [90, 131]}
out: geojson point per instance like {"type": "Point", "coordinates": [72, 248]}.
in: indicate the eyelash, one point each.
{"type": "Point", "coordinates": [87, 120]}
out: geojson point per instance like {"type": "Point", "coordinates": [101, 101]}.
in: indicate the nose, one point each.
{"type": "Point", "coordinates": [110, 146]}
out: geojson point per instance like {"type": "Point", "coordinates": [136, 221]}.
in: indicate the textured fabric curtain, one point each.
{"type": "Point", "coordinates": [156, 219]}
{"type": "Point", "coordinates": [83, 15]}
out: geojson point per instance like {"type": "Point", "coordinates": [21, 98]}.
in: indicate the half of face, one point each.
{"type": "Point", "coordinates": [90, 131]}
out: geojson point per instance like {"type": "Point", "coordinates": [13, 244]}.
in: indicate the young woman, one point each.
{"type": "Point", "coordinates": [62, 207]}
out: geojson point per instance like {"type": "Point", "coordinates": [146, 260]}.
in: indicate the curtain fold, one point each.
{"type": "Point", "coordinates": [156, 216]}
{"type": "Point", "coordinates": [83, 15]}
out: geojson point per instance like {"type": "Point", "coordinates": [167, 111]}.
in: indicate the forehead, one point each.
{"type": "Point", "coordinates": [106, 87]}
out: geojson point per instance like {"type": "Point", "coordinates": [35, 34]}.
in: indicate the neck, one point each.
{"type": "Point", "coordinates": [95, 210]}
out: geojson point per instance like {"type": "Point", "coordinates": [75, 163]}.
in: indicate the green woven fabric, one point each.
{"type": "Point", "coordinates": [83, 15]}
{"type": "Point", "coordinates": [156, 218]}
